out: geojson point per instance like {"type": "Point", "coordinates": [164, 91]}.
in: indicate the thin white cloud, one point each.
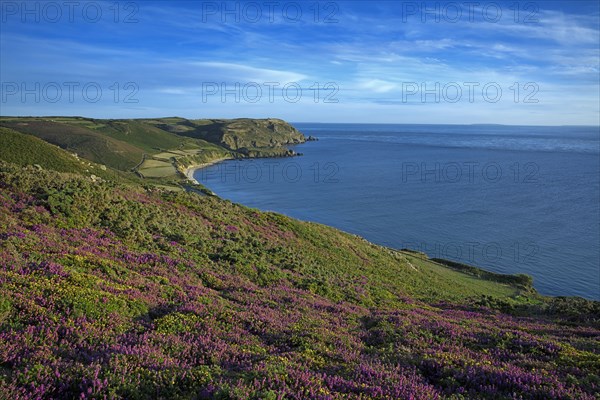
{"type": "Point", "coordinates": [250, 74]}
{"type": "Point", "coordinates": [376, 85]}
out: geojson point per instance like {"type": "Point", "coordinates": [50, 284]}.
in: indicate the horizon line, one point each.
{"type": "Point", "coordinates": [302, 122]}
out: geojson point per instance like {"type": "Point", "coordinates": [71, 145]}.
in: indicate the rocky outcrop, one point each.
{"type": "Point", "coordinates": [245, 133]}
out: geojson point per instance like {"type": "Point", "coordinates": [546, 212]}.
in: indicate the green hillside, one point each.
{"type": "Point", "coordinates": [27, 150]}
{"type": "Point", "coordinates": [159, 149]}
{"type": "Point", "coordinates": [83, 141]}
{"type": "Point", "coordinates": [24, 149]}
{"type": "Point", "coordinates": [144, 136]}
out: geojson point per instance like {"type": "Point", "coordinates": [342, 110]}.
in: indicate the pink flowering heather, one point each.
{"type": "Point", "coordinates": [119, 293]}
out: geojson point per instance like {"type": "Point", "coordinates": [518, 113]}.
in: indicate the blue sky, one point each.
{"type": "Point", "coordinates": [378, 62]}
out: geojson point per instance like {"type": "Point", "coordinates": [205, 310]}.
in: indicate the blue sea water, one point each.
{"type": "Point", "coordinates": [510, 199]}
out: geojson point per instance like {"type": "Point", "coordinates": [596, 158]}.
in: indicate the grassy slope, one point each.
{"type": "Point", "coordinates": [24, 150]}
{"type": "Point", "coordinates": [87, 143]}
{"type": "Point", "coordinates": [146, 137]}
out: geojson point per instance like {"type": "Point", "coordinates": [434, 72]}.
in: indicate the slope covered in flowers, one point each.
{"type": "Point", "coordinates": [110, 290]}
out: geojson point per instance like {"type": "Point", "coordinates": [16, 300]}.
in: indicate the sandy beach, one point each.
{"type": "Point", "coordinates": [189, 171]}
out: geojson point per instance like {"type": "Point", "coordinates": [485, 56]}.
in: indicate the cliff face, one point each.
{"type": "Point", "coordinates": [243, 133]}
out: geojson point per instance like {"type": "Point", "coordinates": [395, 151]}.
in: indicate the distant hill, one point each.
{"type": "Point", "coordinates": [160, 148]}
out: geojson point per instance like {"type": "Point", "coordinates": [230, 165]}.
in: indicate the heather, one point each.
{"type": "Point", "coordinates": [113, 290]}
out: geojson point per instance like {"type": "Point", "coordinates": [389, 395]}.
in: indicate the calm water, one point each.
{"type": "Point", "coordinates": [509, 199]}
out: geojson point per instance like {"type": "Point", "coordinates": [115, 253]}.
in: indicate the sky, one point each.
{"type": "Point", "coordinates": [472, 62]}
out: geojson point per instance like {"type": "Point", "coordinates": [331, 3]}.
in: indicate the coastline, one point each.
{"type": "Point", "coordinates": [189, 171]}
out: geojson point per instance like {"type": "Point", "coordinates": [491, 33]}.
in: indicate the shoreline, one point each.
{"type": "Point", "coordinates": [189, 171]}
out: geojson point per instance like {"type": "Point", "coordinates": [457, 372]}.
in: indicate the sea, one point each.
{"type": "Point", "coordinates": [510, 199]}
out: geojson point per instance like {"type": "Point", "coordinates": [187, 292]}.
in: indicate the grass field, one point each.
{"type": "Point", "coordinates": [157, 169]}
